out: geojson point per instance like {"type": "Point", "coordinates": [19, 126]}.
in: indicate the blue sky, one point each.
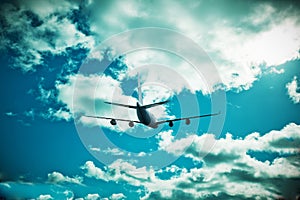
{"type": "Point", "coordinates": [63, 59]}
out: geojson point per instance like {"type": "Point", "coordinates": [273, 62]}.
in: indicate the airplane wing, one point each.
{"type": "Point", "coordinates": [154, 104]}
{"type": "Point", "coordinates": [170, 121]}
{"type": "Point", "coordinates": [110, 118]}
{"type": "Point", "coordinates": [119, 104]}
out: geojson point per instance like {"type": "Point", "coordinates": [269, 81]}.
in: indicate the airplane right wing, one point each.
{"type": "Point", "coordinates": [170, 121]}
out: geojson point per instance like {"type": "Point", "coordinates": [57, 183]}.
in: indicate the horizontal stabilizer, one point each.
{"type": "Point", "coordinates": [154, 104]}
{"type": "Point", "coordinates": [119, 104]}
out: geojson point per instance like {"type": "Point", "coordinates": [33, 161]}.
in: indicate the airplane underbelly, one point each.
{"type": "Point", "coordinates": [144, 117]}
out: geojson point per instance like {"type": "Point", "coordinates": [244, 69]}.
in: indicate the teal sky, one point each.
{"type": "Point", "coordinates": [62, 59]}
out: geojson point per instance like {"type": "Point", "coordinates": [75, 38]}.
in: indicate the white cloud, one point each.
{"type": "Point", "coordinates": [62, 114]}
{"type": "Point", "coordinates": [54, 34]}
{"type": "Point", "coordinates": [228, 168]}
{"type": "Point", "coordinates": [59, 114]}
{"type": "Point", "coordinates": [276, 71]}
{"type": "Point", "coordinates": [184, 75]}
{"type": "Point", "coordinates": [283, 142]}
{"type": "Point", "coordinates": [10, 114]}
{"type": "Point", "coordinates": [5, 185]}
{"type": "Point", "coordinates": [86, 95]}
{"type": "Point", "coordinates": [68, 194]}
{"type": "Point", "coordinates": [113, 151]}
{"type": "Point", "coordinates": [238, 54]}
{"type": "Point", "coordinates": [165, 139]}
{"type": "Point", "coordinates": [44, 197]}
{"type": "Point", "coordinates": [264, 36]}
{"type": "Point", "coordinates": [117, 196]}
{"type": "Point", "coordinates": [292, 88]}
{"type": "Point", "coordinates": [95, 149]}
{"type": "Point", "coordinates": [237, 50]}
{"type": "Point", "coordinates": [48, 7]}
{"type": "Point", "coordinates": [57, 177]}
{"type": "Point", "coordinates": [122, 171]}
{"type": "Point", "coordinates": [93, 171]}
{"type": "Point", "coordinates": [92, 197]}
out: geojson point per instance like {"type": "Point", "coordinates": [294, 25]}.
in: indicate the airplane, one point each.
{"type": "Point", "coordinates": [144, 116]}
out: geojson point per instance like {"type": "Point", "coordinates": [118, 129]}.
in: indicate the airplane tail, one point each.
{"type": "Point", "coordinates": [140, 91]}
{"type": "Point", "coordinates": [140, 96]}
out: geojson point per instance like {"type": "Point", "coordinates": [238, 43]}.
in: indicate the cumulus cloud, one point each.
{"type": "Point", "coordinates": [44, 197]}
{"type": "Point", "coordinates": [57, 177]}
{"type": "Point", "coordinates": [86, 94]}
{"type": "Point", "coordinates": [117, 196]}
{"type": "Point", "coordinates": [119, 171]}
{"type": "Point", "coordinates": [229, 169]}
{"type": "Point", "coordinates": [293, 90]}
{"type": "Point", "coordinates": [240, 45]}
{"type": "Point", "coordinates": [41, 27]}
{"type": "Point", "coordinates": [92, 197]}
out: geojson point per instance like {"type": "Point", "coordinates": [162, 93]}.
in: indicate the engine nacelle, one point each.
{"type": "Point", "coordinates": [187, 121]}
{"type": "Point", "coordinates": [171, 124]}
{"type": "Point", "coordinates": [131, 124]}
{"type": "Point", "coordinates": [113, 122]}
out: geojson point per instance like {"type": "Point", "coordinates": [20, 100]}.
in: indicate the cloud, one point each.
{"type": "Point", "coordinates": [240, 44]}
{"type": "Point", "coordinates": [117, 196]}
{"type": "Point", "coordinates": [293, 90]}
{"type": "Point", "coordinates": [44, 197]}
{"type": "Point", "coordinates": [41, 29]}
{"type": "Point", "coordinates": [113, 151]}
{"type": "Point", "coordinates": [86, 94]}
{"type": "Point", "coordinates": [92, 197]}
{"type": "Point", "coordinates": [57, 177]}
{"type": "Point", "coordinates": [119, 171]}
{"type": "Point", "coordinates": [229, 169]}
{"type": "Point", "coordinates": [93, 171]}
{"type": "Point", "coordinates": [95, 149]}
{"type": "Point", "coordinates": [5, 185]}
{"type": "Point", "coordinates": [165, 139]}
{"type": "Point", "coordinates": [59, 114]}
{"type": "Point", "coordinates": [11, 114]}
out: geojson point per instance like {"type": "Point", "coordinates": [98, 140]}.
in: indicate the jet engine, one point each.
{"type": "Point", "coordinates": [187, 121]}
{"type": "Point", "coordinates": [131, 124]}
{"type": "Point", "coordinates": [171, 124]}
{"type": "Point", "coordinates": [113, 122]}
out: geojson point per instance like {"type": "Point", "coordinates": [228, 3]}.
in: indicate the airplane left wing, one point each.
{"type": "Point", "coordinates": [113, 121]}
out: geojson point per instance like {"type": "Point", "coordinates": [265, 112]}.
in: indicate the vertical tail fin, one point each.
{"type": "Point", "coordinates": [140, 90]}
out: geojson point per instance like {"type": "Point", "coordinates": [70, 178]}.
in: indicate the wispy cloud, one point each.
{"type": "Point", "coordinates": [57, 177]}
{"type": "Point", "coordinates": [293, 90]}
{"type": "Point", "coordinates": [44, 197]}
{"type": "Point", "coordinates": [10, 114]}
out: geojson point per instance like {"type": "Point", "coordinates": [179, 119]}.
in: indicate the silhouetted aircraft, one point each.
{"type": "Point", "coordinates": [144, 116]}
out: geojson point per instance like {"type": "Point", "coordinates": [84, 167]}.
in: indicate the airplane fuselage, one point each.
{"type": "Point", "coordinates": [145, 117]}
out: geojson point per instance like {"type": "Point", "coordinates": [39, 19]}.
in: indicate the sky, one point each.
{"type": "Point", "coordinates": [61, 60]}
